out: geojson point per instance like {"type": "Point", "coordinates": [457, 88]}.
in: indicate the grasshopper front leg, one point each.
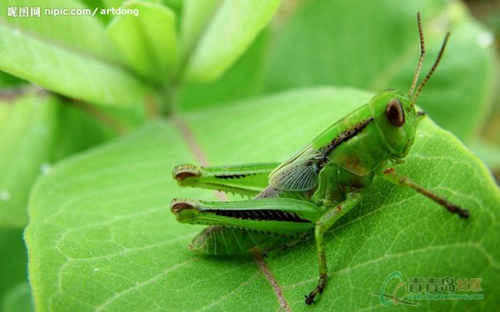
{"type": "Point", "coordinates": [322, 226]}
{"type": "Point", "coordinates": [391, 175]}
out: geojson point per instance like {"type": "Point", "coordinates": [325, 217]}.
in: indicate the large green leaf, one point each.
{"type": "Point", "coordinates": [373, 45]}
{"type": "Point", "coordinates": [101, 235]}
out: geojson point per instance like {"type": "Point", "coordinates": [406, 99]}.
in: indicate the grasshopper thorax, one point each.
{"type": "Point", "coordinates": [396, 120]}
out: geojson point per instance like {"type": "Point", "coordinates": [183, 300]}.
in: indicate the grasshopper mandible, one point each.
{"type": "Point", "coordinates": [308, 193]}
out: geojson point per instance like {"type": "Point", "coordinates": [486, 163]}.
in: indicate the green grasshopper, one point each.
{"type": "Point", "coordinates": [308, 193]}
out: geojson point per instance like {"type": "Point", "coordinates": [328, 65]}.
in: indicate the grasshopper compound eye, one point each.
{"type": "Point", "coordinates": [395, 113]}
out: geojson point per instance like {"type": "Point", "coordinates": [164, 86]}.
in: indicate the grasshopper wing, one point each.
{"type": "Point", "coordinates": [299, 173]}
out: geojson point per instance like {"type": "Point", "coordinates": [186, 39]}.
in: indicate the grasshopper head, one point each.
{"type": "Point", "coordinates": [395, 113]}
{"type": "Point", "coordinates": [396, 120]}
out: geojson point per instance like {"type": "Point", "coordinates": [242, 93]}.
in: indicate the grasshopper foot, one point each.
{"type": "Point", "coordinates": [462, 213]}
{"type": "Point", "coordinates": [312, 295]}
{"type": "Point", "coordinates": [318, 290]}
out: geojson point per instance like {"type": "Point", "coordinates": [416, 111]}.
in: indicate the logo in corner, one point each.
{"type": "Point", "coordinates": [431, 289]}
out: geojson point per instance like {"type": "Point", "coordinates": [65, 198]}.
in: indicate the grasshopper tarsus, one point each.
{"type": "Point", "coordinates": [462, 213]}
{"type": "Point", "coordinates": [317, 290]}
{"type": "Point", "coordinates": [310, 298]}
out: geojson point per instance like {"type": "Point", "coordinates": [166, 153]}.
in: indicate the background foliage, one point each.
{"type": "Point", "coordinates": [95, 111]}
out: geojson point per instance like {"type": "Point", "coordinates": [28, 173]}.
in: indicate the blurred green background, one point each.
{"type": "Point", "coordinates": [268, 66]}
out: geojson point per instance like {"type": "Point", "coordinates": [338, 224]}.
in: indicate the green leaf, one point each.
{"type": "Point", "coordinates": [374, 46]}
{"type": "Point", "coordinates": [82, 32]}
{"type": "Point", "coordinates": [242, 80]}
{"type": "Point", "coordinates": [101, 235]}
{"type": "Point", "coordinates": [36, 130]}
{"type": "Point", "coordinates": [28, 133]}
{"type": "Point", "coordinates": [148, 41]}
{"type": "Point", "coordinates": [195, 17]}
{"type": "Point", "coordinates": [67, 71]}
{"type": "Point", "coordinates": [222, 34]}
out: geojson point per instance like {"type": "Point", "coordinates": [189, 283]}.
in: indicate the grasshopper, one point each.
{"type": "Point", "coordinates": [309, 192]}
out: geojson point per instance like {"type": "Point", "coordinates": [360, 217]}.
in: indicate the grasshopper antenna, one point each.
{"type": "Point", "coordinates": [436, 62]}
{"type": "Point", "coordinates": [422, 56]}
